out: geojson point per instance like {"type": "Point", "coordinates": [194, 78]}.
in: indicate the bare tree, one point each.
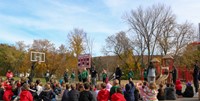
{"type": "Point", "coordinates": [183, 35]}
{"type": "Point", "coordinates": [165, 39]}
{"type": "Point", "coordinates": [148, 24]}
{"type": "Point", "coordinates": [89, 45]}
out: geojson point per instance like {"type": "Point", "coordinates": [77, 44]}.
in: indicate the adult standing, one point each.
{"type": "Point", "coordinates": [9, 74]}
{"type": "Point", "coordinates": [130, 74]}
{"type": "Point", "coordinates": [118, 74]}
{"type": "Point", "coordinates": [104, 75]}
{"type": "Point", "coordinates": [84, 75]}
{"type": "Point", "coordinates": [79, 76]}
{"type": "Point", "coordinates": [66, 76]}
{"type": "Point", "coordinates": [145, 74]}
{"type": "Point", "coordinates": [195, 76]}
{"type": "Point", "coordinates": [73, 76]}
{"type": "Point", "coordinates": [47, 76]}
{"type": "Point", "coordinates": [151, 73]}
{"type": "Point", "coordinates": [93, 75]}
{"type": "Point", "coordinates": [174, 74]}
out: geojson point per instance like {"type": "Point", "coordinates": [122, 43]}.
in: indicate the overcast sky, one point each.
{"type": "Point", "coordinates": [26, 20]}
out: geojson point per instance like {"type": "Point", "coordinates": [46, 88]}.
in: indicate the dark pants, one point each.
{"type": "Point", "coordinates": [174, 80]}
{"type": "Point", "coordinates": [104, 80]}
{"type": "Point", "coordinates": [66, 80]}
{"type": "Point", "coordinates": [47, 79]}
{"type": "Point", "coordinates": [196, 84]}
{"type": "Point", "coordinates": [79, 79]}
{"type": "Point", "coordinates": [84, 80]}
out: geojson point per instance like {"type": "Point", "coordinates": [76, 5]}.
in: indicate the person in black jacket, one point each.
{"type": "Point", "coordinates": [86, 95]}
{"type": "Point", "coordinates": [189, 92]}
{"type": "Point", "coordinates": [65, 96]}
{"type": "Point", "coordinates": [47, 94]}
{"type": "Point", "coordinates": [93, 75]}
{"type": "Point", "coordinates": [174, 75]}
{"type": "Point", "coordinates": [130, 89]}
{"type": "Point", "coordinates": [118, 74]}
{"type": "Point", "coordinates": [73, 94]}
{"type": "Point", "coordinates": [195, 76]}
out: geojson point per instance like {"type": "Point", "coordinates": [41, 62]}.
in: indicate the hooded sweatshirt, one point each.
{"type": "Point", "coordinates": [103, 95]}
{"type": "Point", "coordinates": [117, 97]}
{"type": "Point", "coordinates": [178, 85]}
{"type": "Point", "coordinates": [8, 93]}
{"type": "Point", "coordinates": [26, 96]}
{"type": "Point", "coordinates": [129, 93]}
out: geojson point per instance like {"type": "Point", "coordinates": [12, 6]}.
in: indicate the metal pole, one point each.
{"type": "Point", "coordinates": [199, 33]}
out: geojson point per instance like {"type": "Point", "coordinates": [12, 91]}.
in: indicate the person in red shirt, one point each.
{"type": "Point", "coordinates": [7, 96]}
{"type": "Point", "coordinates": [178, 88]}
{"type": "Point", "coordinates": [9, 74]}
{"type": "Point", "coordinates": [25, 95]}
{"type": "Point", "coordinates": [103, 94]}
{"type": "Point", "coordinates": [118, 96]}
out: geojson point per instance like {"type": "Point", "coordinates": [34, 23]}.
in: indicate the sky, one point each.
{"type": "Point", "coordinates": [27, 20]}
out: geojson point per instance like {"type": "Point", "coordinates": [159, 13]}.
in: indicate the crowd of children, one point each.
{"type": "Point", "coordinates": [23, 90]}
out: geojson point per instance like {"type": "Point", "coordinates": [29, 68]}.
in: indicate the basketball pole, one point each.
{"type": "Point", "coordinates": [32, 73]}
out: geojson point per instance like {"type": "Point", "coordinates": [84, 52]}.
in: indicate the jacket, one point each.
{"type": "Point", "coordinates": [86, 96]}
{"type": "Point", "coordinates": [129, 93]}
{"type": "Point", "coordinates": [9, 75]}
{"type": "Point", "coordinates": [189, 92]}
{"type": "Point", "coordinates": [103, 95]}
{"type": "Point", "coordinates": [113, 90]}
{"type": "Point", "coordinates": [26, 96]}
{"type": "Point", "coordinates": [118, 73]}
{"type": "Point", "coordinates": [117, 97]}
{"type": "Point", "coordinates": [47, 95]}
{"type": "Point", "coordinates": [170, 93]}
{"type": "Point", "coordinates": [73, 95]}
{"type": "Point", "coordinates": [65, 96]}
{"type": "Point", "coordinates": [8, 93]}
{"type": "Point", "coordinates": [178, 85]}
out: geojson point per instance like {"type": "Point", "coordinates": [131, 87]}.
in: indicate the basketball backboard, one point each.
{"type": "Point", "coordinates": [37, 56]}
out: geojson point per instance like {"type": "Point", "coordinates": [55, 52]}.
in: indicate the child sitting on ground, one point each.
{"type": "Point", "coordinates": [161, 93]}
{"type": "Point", "coordinates": [118, 96]}
{"type": "Point", "coordinates": [178, 88]}
{"type": "Point", "coordinates": [189, 92]}
{"type": "Point", "coordinates": [151, 93]}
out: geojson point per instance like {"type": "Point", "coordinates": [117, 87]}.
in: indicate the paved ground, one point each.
{"type": "Point", "coordinates": [185, 99]}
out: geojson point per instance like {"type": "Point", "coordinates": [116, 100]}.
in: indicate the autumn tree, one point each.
{"type": "Point", "coordinates": [76, 40]}
{"type": "Point", "coordinates": [120, 45]}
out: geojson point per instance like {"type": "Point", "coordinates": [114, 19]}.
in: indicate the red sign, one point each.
{"type": "Point", "coordinates": [84, 61]}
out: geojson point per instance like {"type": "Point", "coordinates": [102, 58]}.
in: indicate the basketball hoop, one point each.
{"type": "Point", "coordinates": [37, 57]}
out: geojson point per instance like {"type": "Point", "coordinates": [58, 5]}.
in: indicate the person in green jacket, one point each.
{"type": "Point", "coordinates": [114, 87]}
{"type": "Point", "coordinates": [84, 75]}
{"type": "Point", "coordinates": [73, 77]}
{"type": "Point", "coordinates": [145, 74]}
{"type": "Point", "coordinates": [104, 75]}
{"type": "Point", "coordinates": [130, 74]}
